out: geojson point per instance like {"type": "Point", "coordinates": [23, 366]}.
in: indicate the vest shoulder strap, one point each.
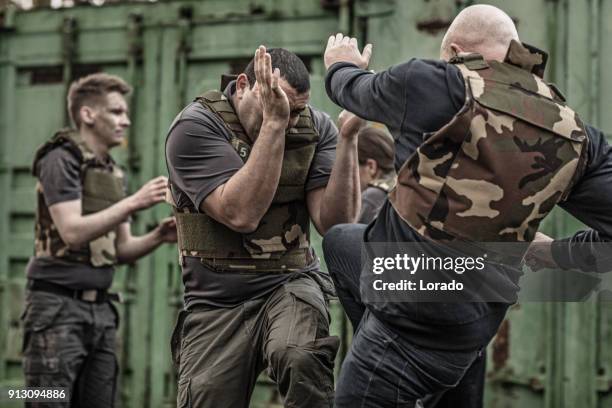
{"type": "Point", "coordinates": [524, 56]}
{"type": "Point", "coordinates": [518, 93]}
{"type": "Point", "coordinates": [472, 61]}
{"type": "Point", "coordinates": [218, 103]}
{"type": "Point", "coordinates": [66, 137]}
{"type": "Point", "coordinates": [527, 57]}
{"type": "Point", "coordinates": [304, 131]}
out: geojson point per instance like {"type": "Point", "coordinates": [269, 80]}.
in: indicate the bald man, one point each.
{"type": "Point", "coordinates": [459, 165]}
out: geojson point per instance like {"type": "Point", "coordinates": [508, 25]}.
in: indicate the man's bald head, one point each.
{"type": "Point", "coordinates": [484, 29]}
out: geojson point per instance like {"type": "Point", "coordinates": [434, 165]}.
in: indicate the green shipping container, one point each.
{"type": "Point", "coordinates": [548, 355]}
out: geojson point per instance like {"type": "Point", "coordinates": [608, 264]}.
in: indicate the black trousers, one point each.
{"type": "Point", "coordinates": [70, 343]}
{"type": "Point", "coordinates": [393, 371]}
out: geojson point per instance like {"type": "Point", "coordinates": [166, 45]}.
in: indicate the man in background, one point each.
{"type": "Point", "coordinates": [82, 233]}
{"type": "Point", "coordinates": [376, 172]}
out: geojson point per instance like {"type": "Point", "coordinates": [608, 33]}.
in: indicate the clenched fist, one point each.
{"type": "Point", "coordinates": [349, 124]}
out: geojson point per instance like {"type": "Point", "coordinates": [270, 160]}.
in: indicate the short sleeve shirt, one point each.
{"type": "Point", "coordinates": [59, 174]}
{"type": "Point", "coordinates": [200, 158]}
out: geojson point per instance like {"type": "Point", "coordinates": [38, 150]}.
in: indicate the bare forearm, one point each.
{"type": "Point", "coordinates": [258, 178]}
{"type": "Point", "coordinates": [341, 200]}
{"type": "Point", "coordinates": [77, 229]}
{"type": "Point", "coordinates": [136, 247]}
{"type": "Point", "coordinates": [85, 228]}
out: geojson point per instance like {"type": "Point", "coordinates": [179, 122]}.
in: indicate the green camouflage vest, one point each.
{"type": "Point", "coordinates": [386, 182]}
{"type": "Point", "coordinates": [501, 164]}
{"type": "Point", "coordinates": [102, 187]}
{"type": "Point", "coordinates": [281, 242]}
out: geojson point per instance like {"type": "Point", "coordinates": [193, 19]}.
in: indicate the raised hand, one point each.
{"type": "Point", "coordinates": [349, 124]}
{"type": "Point", "coordinates": [273, 99]}
{"type": "Point", "coordinates": [342, 48]}
{"type": "Point", "coordinates": [153, 192]}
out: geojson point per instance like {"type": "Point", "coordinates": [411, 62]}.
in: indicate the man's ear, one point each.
{"type": "Point", "coordinates": [372, 166]}
{"type": "Point", "coordinates": [242, 85]}
{"type": "Point", "coordinates": [88, 115]}
{"type": "Point", "coordinates": [456, 49]}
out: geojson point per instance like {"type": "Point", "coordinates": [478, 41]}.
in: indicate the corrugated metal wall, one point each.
{"type": "Point", "coordinates": [546, 355]}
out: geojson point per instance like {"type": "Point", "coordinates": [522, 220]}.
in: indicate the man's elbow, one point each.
{"type": "Point", "coordinates": [123, 259]}
{"type": "Point", "coordinates": [242, 225]}
{"type": "Point", "coordinates": [326, 223]}
{"type": "Point", "coordinates": [239, 220]}
{"type": "Point", "coordinates": [72, 238]}
{"type": "Point", "coordinates": [323, 228]}
{"type": "Point", "coordinates": [320, 225]}
{"type": "Point", "coordinates": [234, 215]}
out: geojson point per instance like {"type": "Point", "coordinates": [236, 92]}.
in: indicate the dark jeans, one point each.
{"type": "Point", "coordinates": [220, 352]}
{"type": "Point", "coordinates": [70, 343]}
{"type": "Point", "coordinates": [383, 369]}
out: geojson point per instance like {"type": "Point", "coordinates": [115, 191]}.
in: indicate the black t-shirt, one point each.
{"type": "Point", "coordinates": [414, 99]}
{"type": "Point", "coordinates": [200, 158]}
{"type": "Point", "coordinates": [59, 174]}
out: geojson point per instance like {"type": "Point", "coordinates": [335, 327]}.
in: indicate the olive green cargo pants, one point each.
{"type": "Point", "coordinates": [220, 352]}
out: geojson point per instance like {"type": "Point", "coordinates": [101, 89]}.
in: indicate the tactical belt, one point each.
{"type": "Point", "coordinates": [91, 295]}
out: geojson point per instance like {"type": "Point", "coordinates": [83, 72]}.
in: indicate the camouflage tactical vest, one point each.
{"type": "Point", "coordinates": [102, 187]}
{"type": "Point", "coordinates": [501, 164]}
{"type": "Point", "coordinates": [281, 242]}
{"type": "Point", "coordinates": [386, 182]}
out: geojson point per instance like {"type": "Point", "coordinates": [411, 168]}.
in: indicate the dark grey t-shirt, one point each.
{"type": "Point", "coordinates": [200, 159]}
{"type": "Point", "coordinates": [59, 175]}
{"type": "Point", "coordinates": [372, 200]}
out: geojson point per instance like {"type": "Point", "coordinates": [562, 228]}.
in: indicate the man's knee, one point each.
{"type": "Point", "coordinates": [341, 242]}
{"type": "Point", "coordinates": [305, 374]}
{"type": "Point", "coordinates": [316, 357]}
{"type": "Point", "coordinates": [290, 357]}
{"type": "Point", "coordinates": [332, 237]}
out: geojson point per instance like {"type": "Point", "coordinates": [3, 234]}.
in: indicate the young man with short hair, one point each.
{"type": "Point", "coordinates": [82, 232]}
